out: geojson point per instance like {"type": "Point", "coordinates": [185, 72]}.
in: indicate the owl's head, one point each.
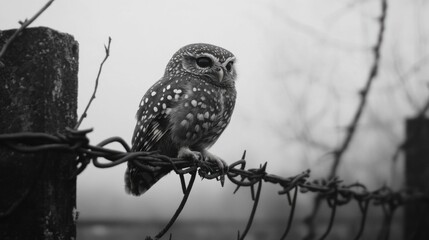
{"type": "Point", "coordinates": [211, 63]}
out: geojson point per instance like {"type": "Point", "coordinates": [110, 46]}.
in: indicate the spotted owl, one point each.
{"type": "Point", "coordinates": [185, 112]}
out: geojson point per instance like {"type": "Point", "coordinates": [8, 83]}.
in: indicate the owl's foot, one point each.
{"type": "Point", "coordinates": [185, 152]}
{"type": "Point", "coordinates": [221, 164]}
{"type": "Point", "coordinates": [205, 155]}
{"type": "Point", "coordinates": [213, 158]}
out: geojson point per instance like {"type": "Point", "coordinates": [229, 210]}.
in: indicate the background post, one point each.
{"type": "Point", "coordinates": [417, 177]}
{"type": "Point", "coordinates": [38, 93]}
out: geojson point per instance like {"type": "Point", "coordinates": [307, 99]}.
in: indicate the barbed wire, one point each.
{"type": "Point", "coordinates": [332, 190]}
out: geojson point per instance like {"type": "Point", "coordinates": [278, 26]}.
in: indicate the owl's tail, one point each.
{"type": "Point", "coordinates": [138, 181]}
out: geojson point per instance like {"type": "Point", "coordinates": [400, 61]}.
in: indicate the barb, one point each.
{"type": "Point", "coordinates": [24, 24]}
{"type": "Point", "coordinates": [84, 114]}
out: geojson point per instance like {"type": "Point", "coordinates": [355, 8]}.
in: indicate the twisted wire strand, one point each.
{"type": "Point", "coordinates": [332, 190]}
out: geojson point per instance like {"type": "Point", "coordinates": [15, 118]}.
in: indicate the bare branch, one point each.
{"type": "Point", "coordinates": [252, 214]}
{"type": "Point", "coordinates": [363, 93]}
{"type": "Point", "coordinates": [421, 113]}
{"type": "Point", "coordinates": [24, 24]}
{"type": "Point", "coordinates": [84, 114]}
{"type": "Point", "coordinates": [291, 214]}
{"type": "Point", "coordinates": [179, 210]}
{"type": "Point", "coordinates": [339, 152]}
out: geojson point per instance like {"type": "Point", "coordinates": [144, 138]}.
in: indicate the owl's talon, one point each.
{"type": "Point", "coordinates": [187, 153]}
{"type": "Point", "coordinates": [221, 164]}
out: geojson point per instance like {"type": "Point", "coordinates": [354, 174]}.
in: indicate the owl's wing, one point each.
{"type": "Point", "coordinates": [154, 131]}
{"type": "Point", "coordinates": [151, 130]}
{"type": "Point", "coordinates": [153, 122]}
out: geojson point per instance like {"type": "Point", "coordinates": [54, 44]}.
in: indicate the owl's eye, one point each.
{"type": "Point", "coordinates": [204, 62]}
{"type": "Point", "coordinates": [229, 66]}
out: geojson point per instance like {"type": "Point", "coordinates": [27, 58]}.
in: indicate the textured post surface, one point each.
{"type": "Point", "coordinates": [38, 93]}
{"type": "Point", "coordinates": [417, 177]}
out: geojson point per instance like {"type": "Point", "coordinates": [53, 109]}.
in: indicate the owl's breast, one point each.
{"type": "Point", "coordinates": [201, 116]}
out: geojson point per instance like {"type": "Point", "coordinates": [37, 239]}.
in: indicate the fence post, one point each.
{"type": "Point", "coordinates": [38, 93]}
{"type": "Point", "coordinates": [417, 177]}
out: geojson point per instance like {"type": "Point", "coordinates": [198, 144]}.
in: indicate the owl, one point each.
{"type": "Point", "coordinates": [184, 113]}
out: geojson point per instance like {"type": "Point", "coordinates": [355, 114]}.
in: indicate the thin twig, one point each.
{"type": "Point", "coordinates": [405, 76]}
{"type": "Point", "coordinates": [24, 24]}
{"type": "Point", "coordinates": [84, 114]}
{"type": "Point", "coordinates": [364, 209]}
{"type": "Point", "coordinates": [363, 93]}
{"type": "Point", "coordinates": [331, 219]}
{"type": "Point", "coordinates": [419, 115]}
{"type": "Point", "coordinates": [252, 214]}
{"type": "Point", "coordinates": [423, 110]}
{"type": "Point", "coordinates": [292, 211]}
{"type": "Point", "coordinates": [384, 231]}
{"type": "Point", "coordinates": [179, 209]}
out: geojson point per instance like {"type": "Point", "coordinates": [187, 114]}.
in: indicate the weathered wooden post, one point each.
{"type": "Point", "coordinates": [38, 93]}
{"type": "Point", "coordinates": [417, 177]}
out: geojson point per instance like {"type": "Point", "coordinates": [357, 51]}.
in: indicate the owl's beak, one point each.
{"type": "Point", "coordinates": [220, 73]}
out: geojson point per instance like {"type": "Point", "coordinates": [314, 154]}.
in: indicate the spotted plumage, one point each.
{"type": "Point", "coordinates": [185, 112]}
